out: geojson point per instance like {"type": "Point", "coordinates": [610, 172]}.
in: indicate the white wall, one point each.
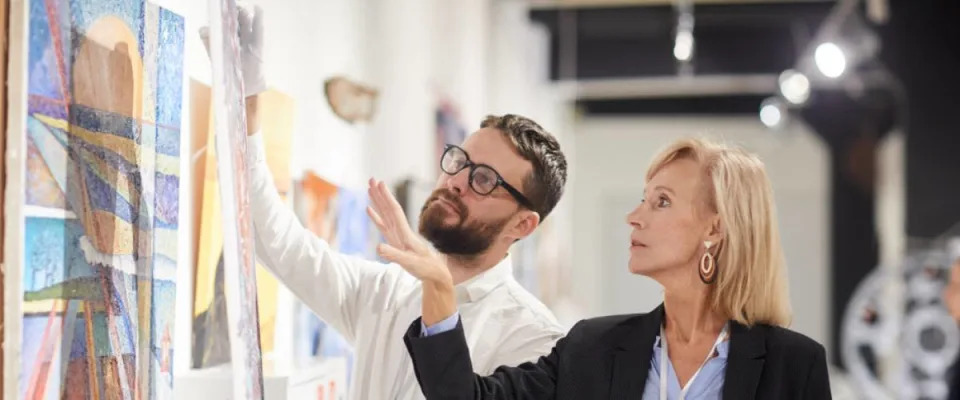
{"type": "Point", "coordinates": [399, 56]}
{"type": "Point", "coordinates": [612, 156]}
{"type": "Point", "coordinates": [460, 46]}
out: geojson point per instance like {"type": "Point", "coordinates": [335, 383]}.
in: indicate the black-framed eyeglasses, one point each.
{"type": "Point", "coordinates": [483, 178]}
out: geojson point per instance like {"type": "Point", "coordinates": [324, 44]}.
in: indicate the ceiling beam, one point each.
{"type": "Point", "coordinates": [675, 86]}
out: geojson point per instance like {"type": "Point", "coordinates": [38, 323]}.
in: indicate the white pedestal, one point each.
{"type": "Point", "coordinates": [326, 380]}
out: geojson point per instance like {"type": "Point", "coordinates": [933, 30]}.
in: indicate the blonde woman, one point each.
{"type": "Point", "coordinates": [705, 230]}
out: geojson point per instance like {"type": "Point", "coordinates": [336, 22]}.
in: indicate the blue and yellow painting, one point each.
{"type": "Point", "coordinates": [105, 82]}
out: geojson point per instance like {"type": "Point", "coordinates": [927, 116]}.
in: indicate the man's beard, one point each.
{"type": "Point", "coordinates": [461, 239]}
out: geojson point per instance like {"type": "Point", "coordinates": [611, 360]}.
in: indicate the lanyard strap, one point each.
{"type": "Point", "coordinates": [665, 356]}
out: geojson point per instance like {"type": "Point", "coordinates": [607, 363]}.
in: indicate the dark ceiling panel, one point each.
{"type": "Point", "coordinates": [638, 41]}
{"type": "Point", "coordinates": [701, 105]}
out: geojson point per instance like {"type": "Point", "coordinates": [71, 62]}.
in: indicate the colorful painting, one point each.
{"type": "Point", "coordinates": [450, 128]}
{"type": "Point", "coordinates": [230, 130]}
{"type": "Point", "coordinates": [104, 91]}
{"type": "Point", "coordinates": [338, 216]}
{"type": "Point", "coordinates": [210, 337]}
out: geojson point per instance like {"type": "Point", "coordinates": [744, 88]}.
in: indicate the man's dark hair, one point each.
{"type": "Point", "coordinates": [544, 185]}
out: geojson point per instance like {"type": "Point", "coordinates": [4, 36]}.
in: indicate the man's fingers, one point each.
{"type": "Point", "coordinates": [404, 258]}
{"type": "Point", "coordinates": [375, 218]}
{"type": "Point", "coordinates": [389, 234]}
{"type": "Point", "coordinates": [387, 206]}
{"type": "Point", "coordinates": [377, 203]}
{"type": "Point", "coordinates": [392, 206]}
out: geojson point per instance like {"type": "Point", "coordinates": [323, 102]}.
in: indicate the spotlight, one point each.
{"type": "Point", "coordinates": [683, 46]}
{"type": "Point", "coordinates": [773, 112]}
{"type": "Point", "coordinates": [830, 59]}
{"type": "Point", "coordinates": [794, 86]}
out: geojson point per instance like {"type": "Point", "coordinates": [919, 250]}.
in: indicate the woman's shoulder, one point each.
{"type": "Point", "coordinates": [784, 340]}
{"type": "Point", "coordinates": [608, 322]}
{"type": "Point", "coordinates": [608, 329]}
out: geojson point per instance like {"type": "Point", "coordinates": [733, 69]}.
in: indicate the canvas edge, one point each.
{"type": "Point", "coordinates": [230, 228]}
{"type": "Point", "coordinates": [183, 303]}
{"type": "Point", "coordinates": [14, 195]}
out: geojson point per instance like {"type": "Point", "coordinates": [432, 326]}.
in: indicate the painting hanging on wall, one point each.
{"type": "Point", "coordinates": [449, 127]}
{"type": "Point", "coordinates": [239, 269]}
{"type": "Point", "coordinates": [210, 338]}
{"type": "Point", "coordinates": [95, 193]}
{"type": "Point", "coordinates": [338, 216]}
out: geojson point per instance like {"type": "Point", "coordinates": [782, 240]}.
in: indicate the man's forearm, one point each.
{"type": "Point", "coordinates": [253, 114]}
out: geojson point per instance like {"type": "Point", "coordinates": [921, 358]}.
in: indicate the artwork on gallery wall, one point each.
{"type": "Point", "coordinates": [412, 195]}
{"type": "Point", "coordinates": [239, 269]}
{"type": "Point", "coordinates": [210, 339]}
{"type": "Point", "coordinates": [539, 262]}
{"type": "Point", "coordinates": [338, 216]}
{"type": "Point", "coordinates": [94, 189]}
{"type": "Point", "coordinates": [449, 127]}
{"type": "Point", "coordinates": [552, 261]}
{"type": "Point", "coordinates": [349, 100]}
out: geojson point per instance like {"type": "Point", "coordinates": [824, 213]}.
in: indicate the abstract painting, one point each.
{"type": "Point", "coordinates": [315, 204]}
{"type": "Point", "coordinates": [100, 207]}
{"type": "Point", "coordinates": [210, 337]}
{"type": "Point", "coordinates": [338, 216]}
{"type": "Point", "coordinates": [230, 130]}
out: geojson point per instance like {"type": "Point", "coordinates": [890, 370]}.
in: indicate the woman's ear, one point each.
{"type": "Point", "coordinates": [715, 232]}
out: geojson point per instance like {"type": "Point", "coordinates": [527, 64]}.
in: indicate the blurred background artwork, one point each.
{"type": "Point", "coordinates": [353, 102]}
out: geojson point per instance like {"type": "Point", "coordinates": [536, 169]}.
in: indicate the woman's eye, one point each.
{"type": "Point", "coordinates": [663, 202]}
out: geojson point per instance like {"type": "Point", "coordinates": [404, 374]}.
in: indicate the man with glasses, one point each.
{"type": "Point", "coordinates": [495, 189]}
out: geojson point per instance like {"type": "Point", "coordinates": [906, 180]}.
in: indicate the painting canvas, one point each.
{"type": "Point", "coordinates": [449, 127]}
{"type": "Point", "coordinates": [210, 337]}
{"type": "Point", "coordinates": [100, 198]}
{"type": "Point", "coordinates": [3, 128]}
{"type": "Point", "coordinates": [338, 216]}
{"type": "Point", "coordinates": [229, 120]}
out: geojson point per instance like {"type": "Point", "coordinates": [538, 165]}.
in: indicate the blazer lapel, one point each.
{"type": "Point", "coordinates": [631, 356]}
{"type": "Point", "coordinates": [744, 362]}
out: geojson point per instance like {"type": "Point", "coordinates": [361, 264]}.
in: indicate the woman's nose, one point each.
{"type": "Point", "coordinates": [634, 218]}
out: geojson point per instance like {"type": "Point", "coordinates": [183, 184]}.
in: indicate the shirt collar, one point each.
{"type": "Point", "coordinates": [721, 351]}
{"type": "Point", "coordinates": [479, 286]}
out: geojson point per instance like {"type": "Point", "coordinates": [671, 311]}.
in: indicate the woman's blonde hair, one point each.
{"type": "Point", "coordinates": [751, 283]}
